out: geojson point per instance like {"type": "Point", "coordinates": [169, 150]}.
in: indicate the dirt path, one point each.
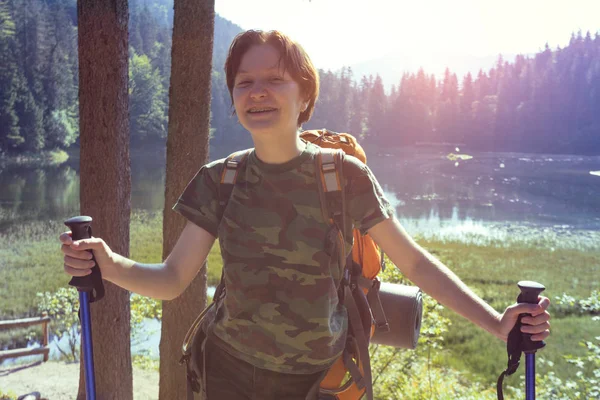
{"type": "Point", "coordinates": [55, 380]}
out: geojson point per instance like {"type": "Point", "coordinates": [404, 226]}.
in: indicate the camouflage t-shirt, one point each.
{"type": "Point", "coordinates": [281, 310]}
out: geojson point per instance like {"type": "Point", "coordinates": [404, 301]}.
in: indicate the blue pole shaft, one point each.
{"type": "Point", "coordinates": [88, 351]}
{"type": "Point", "coordinates": [529, 376]}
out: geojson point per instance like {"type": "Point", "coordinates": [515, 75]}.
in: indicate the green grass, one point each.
{"type": "Point", "coordinates": [31, 262]}
{"type": "Point", "coordinates": [146, 244]}
{"type": "Point", "coordinates": [493, 272]}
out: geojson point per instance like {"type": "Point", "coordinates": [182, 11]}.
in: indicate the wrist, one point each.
{"type": "Point", "coordinates": [113, 268]}
{"type": "Point", "coordinates": [497, 327]}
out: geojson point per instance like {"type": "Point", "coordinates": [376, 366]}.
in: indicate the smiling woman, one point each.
{"type": "Point", "coordinates": [285, 226]}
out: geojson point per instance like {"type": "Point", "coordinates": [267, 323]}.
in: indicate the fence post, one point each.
{"type": "Point", "coordinates": [45, 336]}
{"type": "Point", "coordinates": [44, 320]}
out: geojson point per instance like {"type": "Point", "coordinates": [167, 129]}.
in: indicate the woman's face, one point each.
{"type": "Point", "coordinates": [266, 100]}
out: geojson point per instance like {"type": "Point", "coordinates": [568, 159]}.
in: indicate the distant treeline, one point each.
{"type": "Point", "coordinates": [546, 103]}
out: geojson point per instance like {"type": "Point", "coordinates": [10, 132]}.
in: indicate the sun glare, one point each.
{"type": "Point", "coordinates": [337, 32]}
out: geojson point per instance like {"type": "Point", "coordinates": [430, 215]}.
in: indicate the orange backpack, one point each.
{"type": "Point", "coordinates": [359, 290]}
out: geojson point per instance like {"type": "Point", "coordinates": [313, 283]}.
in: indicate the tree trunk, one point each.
{"type": "Point", "coordinates": [106, 179]}
{"type": "Point", "coordinates": [187, 150]}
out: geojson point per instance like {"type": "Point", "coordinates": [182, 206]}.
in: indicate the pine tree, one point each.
{"type": "Point", "coordinates": [466, 100]}
{"type": "Point", "coordinates": [324, 109]}
{"type": "Point", "coordinates": [60, 91]}
{"type": "Point", "coordinates": [148, 31]}
{"type": "Point", "coordinates": [31, 123]}
{"type": "Point", "coordinates": [357, 112]}
{"type": "Point", "coordinates": [148, 118]}
{"type": "Point", "coordinates": [341, 107]}
{"type": "Point", "coordinates": [447, 121]}
{"type": "Point", "coordinates": [106, 180]}
{"type": "Point", "coordinates": [10, 137]}
{"type": "Point", "coordinates": [376, 111]}
{"type": "Point", "coordinates": [187, 148]}
{"type": "Point", "coordinates": [135, 34]}
{"type": "Point", "coordinates": [31, 34]}
{"type": "Point", "coordinates": [484, 118]}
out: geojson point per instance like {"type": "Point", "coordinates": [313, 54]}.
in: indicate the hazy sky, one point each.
{"type": "Point", "coordinates": [338, 32]}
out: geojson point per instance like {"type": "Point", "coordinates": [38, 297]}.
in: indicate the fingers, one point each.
{"type": "Point", "coordinates": [535, 329]}
{"type": "Point", "coordinates": [537, 323]}
{"type": "Point", "coordinates": [524, 308]}
{"type": "Point", "coordinates": [78, 259]}
{"type": "Point", "coordinates": [533, 309]}
{"type": "Point", "coordinates": [82, 244]}
{"type": "Point", "coordinates": [542, 336]}
{"type": "Point", "coordinates": [77, 272]}
{"type": "Point", "coordinates": [78, 267]}
{"type": "Point", "coordinates": [537, 320]}
{"type": "Point", "coordinates": [544, 303]}
{"type": "Point", "coordinates": [88, 244]}
{"type": "Point", "coordinates": [69, 251]}
{"type": "Point", "coordinates": [65, 237]}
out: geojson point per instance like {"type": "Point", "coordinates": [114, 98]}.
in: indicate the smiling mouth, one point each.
{"type": "Point", "coordinates": [261, 110]}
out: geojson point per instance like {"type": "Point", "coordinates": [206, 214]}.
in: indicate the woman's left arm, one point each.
{"type": "Point", "coordinates": [437, 280]}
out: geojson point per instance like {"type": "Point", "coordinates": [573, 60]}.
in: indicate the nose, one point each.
{"type": "Point", "coordinates": [258, 91]}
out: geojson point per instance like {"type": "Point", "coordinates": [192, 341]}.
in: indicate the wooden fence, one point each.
{"type": "Point", "coordinates": [23, 323]}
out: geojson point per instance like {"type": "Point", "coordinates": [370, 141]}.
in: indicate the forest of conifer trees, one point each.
{"type": "Point", "coordinates": [549, 102]}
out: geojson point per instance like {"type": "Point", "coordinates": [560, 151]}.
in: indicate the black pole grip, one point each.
{"type": "Point", "coordinates": [81, 228]}
{"type": "Point", "coordinates": [530, 292]}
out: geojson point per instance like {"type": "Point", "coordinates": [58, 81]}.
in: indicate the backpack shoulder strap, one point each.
{"type": "Point", "coordinates": [333, 204]}
{"type": "Point", "coordinates": [330, 179]}
{"type": "Point", "coordinates": [232, 164]}
{"type": "Point", "coordinates": [231, 169]}
{"type": "Point", "coordinates": [330, 182]}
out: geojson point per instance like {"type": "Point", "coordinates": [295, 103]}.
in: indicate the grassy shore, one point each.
{"type": "Point", "coordinates": [42, 158]}
{"type": "Point", "coordinates": [30, 262]}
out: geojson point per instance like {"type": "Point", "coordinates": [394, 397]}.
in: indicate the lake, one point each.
{"type": "Point", "coordinates": [495, 195]}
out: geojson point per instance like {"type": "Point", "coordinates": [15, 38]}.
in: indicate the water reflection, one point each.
{"type": "Point", "coordinates": [487, 187]}
{"type": "Point", "coordinates": [38, 193]}
{"type": "Point", "coordinates": [494, 187]}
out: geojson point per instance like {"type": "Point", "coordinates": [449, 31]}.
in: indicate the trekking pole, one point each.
{"type": "Point", "coordinates": [519, 342]}
{"type": "Point", "coordinates": [90, 289]}
{"type": "Point", "coordinates": [529, 294]}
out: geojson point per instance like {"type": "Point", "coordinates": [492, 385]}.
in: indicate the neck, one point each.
{"type": "Point", "coordinates": [279, 151]}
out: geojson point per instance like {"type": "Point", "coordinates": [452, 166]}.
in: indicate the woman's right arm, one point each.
{"type": "Point", "coordinates": [163, 281]}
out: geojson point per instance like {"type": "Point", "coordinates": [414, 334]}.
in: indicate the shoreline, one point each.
{"type": "Point", "coordinates": [45, 158]}
{"type": "Point", "coordinates": [498, 233]}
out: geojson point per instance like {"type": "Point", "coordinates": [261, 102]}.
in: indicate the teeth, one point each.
{"type": "Point", "coordinates": [260, 109]}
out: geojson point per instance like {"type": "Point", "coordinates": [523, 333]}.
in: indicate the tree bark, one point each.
{"type": "Point", "coordinates": [105, 176]}
{"type": "Point", "coordinates": [187, 150]}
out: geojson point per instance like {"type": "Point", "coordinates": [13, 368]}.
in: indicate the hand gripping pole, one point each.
{"type": "Point", "coordinates": [90, 289]}
{"type": "Point", "coordinates": [530, 292]}
{"type": "Point", "coordinates": [519, 342]}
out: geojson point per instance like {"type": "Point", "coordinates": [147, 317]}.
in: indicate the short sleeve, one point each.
{"type": "Point", "coordinates": [367, 205]}
{"type": "Point", "coordinates": [199, 202]}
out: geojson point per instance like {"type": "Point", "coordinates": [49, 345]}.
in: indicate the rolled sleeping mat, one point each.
{"type": "Point", "coordinates": [403, 308]}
